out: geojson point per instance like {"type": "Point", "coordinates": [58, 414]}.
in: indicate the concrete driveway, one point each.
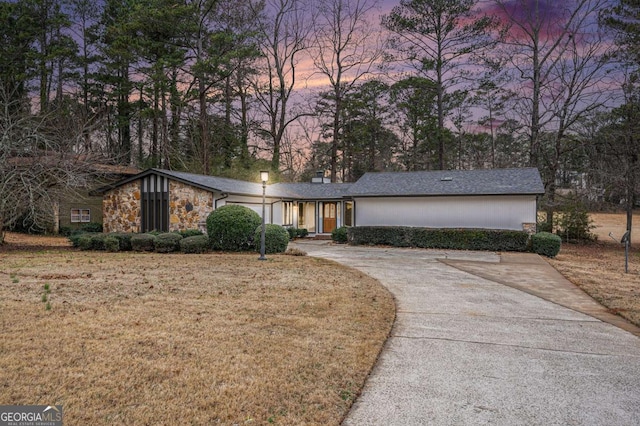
{"type": "Point", "coordinates": [474, 344]}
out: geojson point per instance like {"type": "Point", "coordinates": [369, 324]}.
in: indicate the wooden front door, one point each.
{"type": "Point", "coordinates": [329, 215]}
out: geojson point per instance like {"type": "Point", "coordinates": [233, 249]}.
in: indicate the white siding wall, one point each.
{"type": "Point", "coordinates": [487, 212]}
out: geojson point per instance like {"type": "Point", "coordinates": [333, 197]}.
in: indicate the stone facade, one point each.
{"type": "Point", "coordinates": [121, 208]}
{"type": "Point", "coordinates": [529, 228]}
{"type": "Point", "coordinates": [188, 207]}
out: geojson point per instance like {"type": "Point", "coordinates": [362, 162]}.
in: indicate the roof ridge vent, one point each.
{"type": "Point", "coordinates": [446, 179]}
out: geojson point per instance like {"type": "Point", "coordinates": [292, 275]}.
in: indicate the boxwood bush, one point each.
{"type": "Point", "coordinates": [190, 233]}
{"type": "Point", "coordinates": [143, 242]}
{"type": "Point", "coordinates": [339, 235]}
{"type": "Point", "coordinates": [297, 232]}
{"type": "Point", "coordinates": [91, 227]}
{"type": "Point", "coordinates": [293, 232]}
{"type": "Point", "coordinates": [167, 242]}
{"type": "Point", "coordinates": [232, 228]}
{"type": "Point", "coordinates": [83, 241]}
{"type": "Point", "coordinates": [75, 238]}
{"type": "Point", "coordinates": [97, 241]}
{"type": "Point", "coordinates": [194, 244]}
{"type": "Point", "coordinates": [111, 243]}
{"type": "Point", "coordinates": [453, 239]}
{"type": "Point", "coordinates": [546, 244]}
{"type": "Point", "coordinates": [276, 238]}
{"type": "Point", "coordinates": [124, 240]}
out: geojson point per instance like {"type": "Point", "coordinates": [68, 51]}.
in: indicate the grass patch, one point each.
{"type": "Point", "coordinates": [145, 338]}
{"type": "Point", "coordinates": [598, 269]}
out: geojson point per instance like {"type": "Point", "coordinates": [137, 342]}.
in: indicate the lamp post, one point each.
{"type": "Point", "coordinates": [264, 177]}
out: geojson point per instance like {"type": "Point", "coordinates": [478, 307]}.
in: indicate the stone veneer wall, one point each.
{"type": "Point", "coordinates": [121, 208]}
{"type": "Point", "coordinates": [188, 207]}
{"type": "Point", "coordinates": [529, 228]}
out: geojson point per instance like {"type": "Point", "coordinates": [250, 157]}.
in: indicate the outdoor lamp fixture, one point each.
{"type": "Point", "coordinates": [264, 177]}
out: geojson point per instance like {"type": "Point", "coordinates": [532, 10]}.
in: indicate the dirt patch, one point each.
{"type": "Point", "coordinates": [135, 338]}
{"type": "Point", "coordinates": [25, 242]}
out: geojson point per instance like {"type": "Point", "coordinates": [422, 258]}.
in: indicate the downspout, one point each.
{"type": "Point", "coordinates": [223, 195]}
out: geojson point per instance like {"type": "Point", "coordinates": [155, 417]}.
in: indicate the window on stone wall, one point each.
{"type": "Point", "coordinates": [80, 215]}
{"type": "Point", "coordinates": [155, 203]}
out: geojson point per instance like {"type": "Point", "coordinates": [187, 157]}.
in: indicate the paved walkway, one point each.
{"type": "Point", "coordinates": [474, 344]}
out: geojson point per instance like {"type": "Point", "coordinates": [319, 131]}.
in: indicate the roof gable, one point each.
{"type": "Point", "coordinates": [451, 182]}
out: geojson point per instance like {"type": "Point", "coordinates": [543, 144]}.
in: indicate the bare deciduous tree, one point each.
{"type": "Point", "coordinates": [556, 52]}
{"type": "Point", "coordinates": [37, 162]}
{"type": "Point", "coordinates": [283, 37]}
{"type": "Point", "coordinates": [347, 49]}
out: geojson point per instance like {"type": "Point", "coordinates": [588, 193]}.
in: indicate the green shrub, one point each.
{"type": "Point", "coordinates": [111, 243]}
{"type": "Point", "coordinates": [293, 232]}
{"type": "Point", "coordinates": [546, 244]}
{"type": "Point", "coordinates": [232, 227]}
{"type": "Point", "coordinates": [75, 238]}
{"type": "Point", "coordinates": [124, 239]}
{"type": "Point", "coordinates": [379, 235]}
{"type": "Point", "coordinates": [143, 242]}
{"type": "Point", "coordinates": [544, 227]}
{"type": "Point", "coordinates": [167, 242]}
{"type": "Point", "coordinates": [190, 233]}
{"type": "Point", "coordinates": [97, 241]}
{"type": "Point", "coordinates": [66, 231]}
{"type": "Point", "coordinates": [297, 232]}
{"type": "Point", "coordinates": [574, 223]}
{"type": "Point", "coordinates": [276, 238]}
{"type": "Point", "coordinates": [339, 235]}
{"type": "Point", "coordinates": [194, 244]}
{"type": "Point", "coordinates": [84, 242]}
{"type": "Point", "coordinates": [91, 227]}
{"type": "Point", "coordinates": [453, 239]}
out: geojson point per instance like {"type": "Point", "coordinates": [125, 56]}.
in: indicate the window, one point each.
{"type": "Point", "coordinates": [348, 213]}
{"type": "Point", "coordinates": [155, 203]}
{"type": "Point", "coordinates": [287, 213]}
{"type": "Point", "coordinates": [80, 215]}
{"type": "Point", "coordinates": [307, 216]}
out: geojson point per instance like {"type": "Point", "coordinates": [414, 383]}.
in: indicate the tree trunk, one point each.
{"type": "Point", "coordinates": [336, 137]}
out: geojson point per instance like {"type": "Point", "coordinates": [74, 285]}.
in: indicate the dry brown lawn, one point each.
{"type": "Point", "coordinates": [167, 339]}
{"type": "Point", "coordinates": [598, 268]}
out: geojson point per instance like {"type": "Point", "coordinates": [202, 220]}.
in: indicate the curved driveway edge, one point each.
{"type": "Point", "coordinates": [467, 350]}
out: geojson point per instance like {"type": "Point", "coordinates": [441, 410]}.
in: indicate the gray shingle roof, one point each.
{"type": "Point", "coordinates": [230, 186]}
{"type": "Point", "coordinates": [429, 183]}
{"type": "Point", "coordinates": [310, 191]}
{"type": "Point", "coordinates": [453, 182]}
{"type": "Point", "coordinates": [284, 190]}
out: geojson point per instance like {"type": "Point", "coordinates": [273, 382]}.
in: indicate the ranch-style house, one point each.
{"type": "Point", "coordinates": [167, 200]}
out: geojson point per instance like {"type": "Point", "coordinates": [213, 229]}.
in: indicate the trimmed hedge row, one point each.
{"type": "Point", "coordinates": [452, 239]}
{"type": "Point", "coordinates": [159, 242]}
